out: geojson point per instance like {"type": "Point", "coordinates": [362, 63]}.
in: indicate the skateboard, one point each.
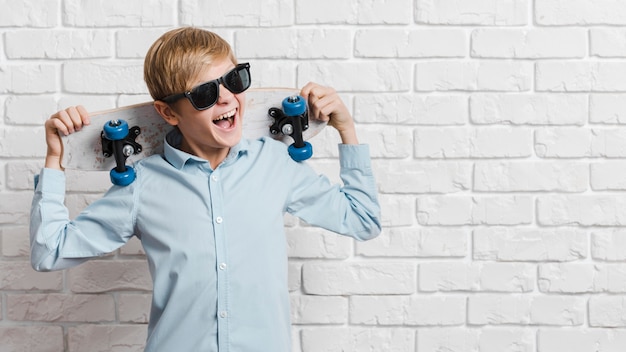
{"type": "Point", "coordinates": [127, 134]}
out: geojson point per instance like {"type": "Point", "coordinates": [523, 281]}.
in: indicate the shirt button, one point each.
{"type": "Point", "coordinates": [214, 178]}
{"type": "Point", "coordinates": [219, 219]}
{"type": "Point", "coordinates": [223, 266]}
{"type": "Point", "coordinates": [224, 314]}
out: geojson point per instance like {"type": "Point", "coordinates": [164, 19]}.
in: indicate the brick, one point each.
{"type": "Point", "coordinates": [353, 12]}
{"type": "Point", "coordinates": [412, 242]}
{"type": "Point", "coordinates": [476, 277]}
{"type": "Point", "coordinates": [461, 339]}
{"type": "Point", "coordinates": [580, 143]}
{"type": "Point", "coordinates": [465, 210]}
{"type": "Point", "coordinates": [294, 276]}
{"type": "Point", "coordinates": [15, 241]}
{"type": "Point", "coordinates": [289, 44]}
{"type": "Point", "coordinates": [14, 208]}
{"type": "Point", "coordinates": [463, 142]}
{"type": "Point", "coordinates": [58, 44]}
{"type": "Point", "coordinates": [581, 340]}
{"type": "Point", "coordinates": [18, 275]}
{"type": "Point", "coordinates": [605, 176]}
{"type": "Point", "coordinates": [608, 245]}
{"type": "Point", "coordinates": [486, 75]}
{"type": "Point", "coordinates": [507, 244]}
{"type": "Point", "coordinates": [60, 307]}
{"type": "Point", "coordinates": [119, 13]}
{"type": "Point", "coordinates": [278, 73]}
{"type": "Point", "coordinates": [578, 278]}
{"type": "Point", "coordinates": [134, 43]}
{"type": "Point", "coordinates": [371, 278]}
{"type": "Point", "coordinates": [473, 12]}
{"type": "Point", "coordinates": [384, 143]}
{"type": "Point", "coordinates": [401, 177]}
{"type": "Point", "coordinates": [134, 307]}
{"type": "Point", "coordinates": [380, 76]}
{"type": "Point", "coordinates": [237, 13]}
{"type": "Point", "coordinates": [318, 309]}
{"type": "Point", "coordinates": [563, 142]}
{"type": "Point", "coordinates": [20, 174]}
{"type": "Point", "coordinates": [114, 338]}
{"type": "Point", "coordinates": [505, 176]}
{"type": "Point", "coordinates": [581, 210]}
{"type": "Point", "coordinates": [395, 43]}
{"type": "Point", "coordinates": [29, 110]}
{"type": "Point", "coordinates": [389, 143]}
{"type": "Point", "coordinates": [526, 310]}
{"type": "Point", "coordinates": [579, 12]}
{"type": "Point", "coordinates": [607, 42]}
{"type": "Point", "coordinates": [407, 311]}
{"type": "Point", "coordinates": [337, 339]}
{"type": "Point", "coordinates": [411, 109]}
{"type": "Point", "coordinates": [317, 243]}
{"type": "Point", "coordinates": [529, 109]}
{"type": "Point", "coordinates": [28, 78]}
{"type": "Point", "coordinates": [133, 247]}
{"type": "Point", "coordinates": [529, 44]}
{"type": "Point", "coordinates": [607, 108]}
{"type": "Point", "coordinates": [580, 76]}
{"type": "Point", "coordinates": [506, 339]}
{"type": "Point", "coordinates": [397, 210]}
{"type": "Point", "coordinates": [607, 311]}
{"type": "Point", "coordinates": [104, 77]}
{"type": "Point", "coordinates": [31, 338]}
{"type": "Point", "coordinates": [29, 13]}
{"type": "Point", "coordinates": [105, 275]}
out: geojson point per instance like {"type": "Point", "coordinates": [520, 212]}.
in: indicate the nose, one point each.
{"type": "Point", "coordinates": [225, 95]}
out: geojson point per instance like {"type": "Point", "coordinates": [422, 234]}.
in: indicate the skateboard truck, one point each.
{"type": "Point", "coordinates": [119, 141]}
{"type": "Point", "coordinates": [291, 121]}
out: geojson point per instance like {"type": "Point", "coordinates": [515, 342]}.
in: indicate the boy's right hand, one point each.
{"type": "Point", "coordinates": [65, 122]}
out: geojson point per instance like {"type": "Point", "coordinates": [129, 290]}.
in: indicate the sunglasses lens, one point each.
{"type": "Point", "coordinates": [237, 80]}
{"type": "Point", "coordinates": [205, 95]}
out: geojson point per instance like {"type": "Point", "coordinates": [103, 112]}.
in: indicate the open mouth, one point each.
{"type": "Point", "coordinates": [226, 120]}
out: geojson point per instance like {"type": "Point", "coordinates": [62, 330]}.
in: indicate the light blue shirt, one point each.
{"type": "Point", "coordinates": [214, 239]}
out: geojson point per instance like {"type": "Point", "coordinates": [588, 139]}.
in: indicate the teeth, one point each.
{"type": "Point", "coordinates": [226, 115]}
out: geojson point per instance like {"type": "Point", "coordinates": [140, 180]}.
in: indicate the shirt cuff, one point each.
{"type": "Point", "coordinates": [355, 156]}
{"type": "Point", "coordinates": [50, 181]}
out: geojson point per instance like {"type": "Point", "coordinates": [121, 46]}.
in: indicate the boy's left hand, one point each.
{"type": "Point", "coordinates": [326, 105]}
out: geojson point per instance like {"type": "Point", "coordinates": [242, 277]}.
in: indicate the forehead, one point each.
{"type": "Point", "coordinates": [213, 71]}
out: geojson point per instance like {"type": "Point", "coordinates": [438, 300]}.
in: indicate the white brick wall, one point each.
{"type": "Point", "coordinates": [496, 128]}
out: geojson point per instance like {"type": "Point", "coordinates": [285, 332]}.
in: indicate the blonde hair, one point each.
{"type": "Point", "coordinates": [177, 58]}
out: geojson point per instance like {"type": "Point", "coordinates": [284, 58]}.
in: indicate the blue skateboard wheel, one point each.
{"type": "Point", "coordinates": [115, 130]}
{"type": "Point", "coordinates": [124, 178]}
{"type": "Point", "coordinates": [294, 105]}
{"type": "Point", "coordinates": [302, 153]}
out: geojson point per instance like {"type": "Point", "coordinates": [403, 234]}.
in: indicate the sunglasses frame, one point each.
{"type": "Point", "coordinates": [219, 81]}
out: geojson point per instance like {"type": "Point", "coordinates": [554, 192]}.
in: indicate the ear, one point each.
{"type": "Point", "coordinates": [167, 113]}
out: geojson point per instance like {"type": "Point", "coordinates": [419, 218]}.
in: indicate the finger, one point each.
{"type": "Point", "coordinates": [75, 118]}
{"type": "Point", "coordinates": [63, 122]}
{"type": "Point", "coordinates": [56, 125]}
{"type": "Point", "coordinates": [84, 115]}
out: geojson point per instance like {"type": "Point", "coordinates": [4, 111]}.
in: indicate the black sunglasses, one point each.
{"type": "Point", "coordinates": [206, 94]}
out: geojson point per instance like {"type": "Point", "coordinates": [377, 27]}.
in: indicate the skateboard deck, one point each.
{"type": "Point", "coordinates": [84, 149]}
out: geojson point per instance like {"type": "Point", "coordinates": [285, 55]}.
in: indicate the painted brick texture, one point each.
{"type": "Point", "coordinates": [498, 133]}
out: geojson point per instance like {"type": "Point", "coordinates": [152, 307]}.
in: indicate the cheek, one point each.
{"type": "Point", "coordinates": [241, 98]}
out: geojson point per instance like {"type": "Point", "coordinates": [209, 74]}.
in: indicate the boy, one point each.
{"type": "Point", "coordinates": [209, 211]}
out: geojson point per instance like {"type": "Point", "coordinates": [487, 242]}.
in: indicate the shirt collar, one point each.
{"type": "Point", "coordinates": [179, 158]}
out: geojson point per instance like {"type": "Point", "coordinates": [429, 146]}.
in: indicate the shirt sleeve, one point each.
{"type": "Point", "coordinates": [351, 209]}
{"type": "Point", "coordinates": [58, 242]}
